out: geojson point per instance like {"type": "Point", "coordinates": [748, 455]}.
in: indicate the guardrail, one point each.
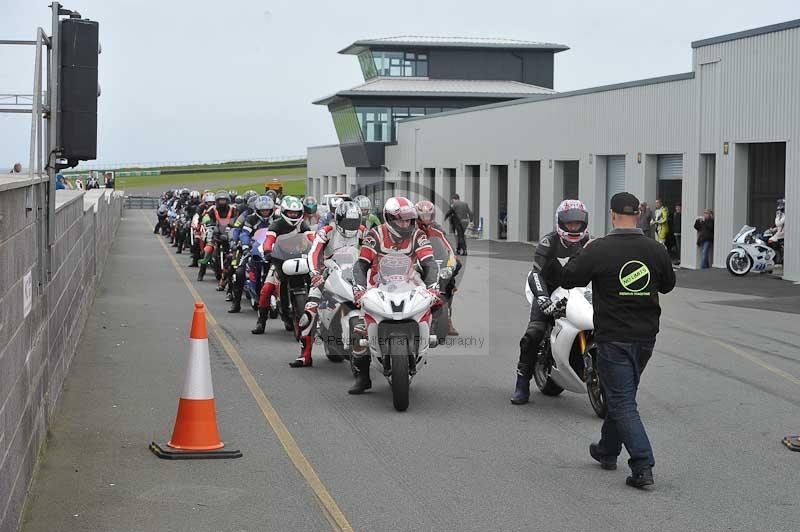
{"type": "Point", "coordinates": [141, 202]}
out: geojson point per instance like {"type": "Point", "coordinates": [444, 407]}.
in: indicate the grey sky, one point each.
{"type": "Point", "coordinates": [209, 80]}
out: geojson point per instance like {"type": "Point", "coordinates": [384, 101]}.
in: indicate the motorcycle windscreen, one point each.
{"type": "Point", "coordinates": [290, 246]}
{"type": "Point", "coordinates": [441, 252]}
{"type": "Point", "coordinates": [743, 231]}
{"type": "Point", "coordinates": [345, 258]}
{"type": "Point", "coordinates": [396, 273]}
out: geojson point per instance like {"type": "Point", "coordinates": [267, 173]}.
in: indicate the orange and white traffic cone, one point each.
{"type": "Point", "coordinates": [195, 434]}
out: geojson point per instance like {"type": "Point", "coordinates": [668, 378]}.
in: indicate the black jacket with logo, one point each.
{"type": "Point", "coordinates": [627, 271]}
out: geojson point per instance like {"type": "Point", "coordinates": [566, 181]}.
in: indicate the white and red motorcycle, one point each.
{"type": "Point", "coordinates": [338, 315]}
{"type": "Point", "coordinates": [397, 314]}
{"type": "Point", "coordinates": [568, 356]}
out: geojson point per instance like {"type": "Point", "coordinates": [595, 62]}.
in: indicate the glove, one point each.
{"type": "Point", "coordinates": [434, 293]}
{"type": "Point", "coordinates": [358, 294]}
{"type": "Point", "coordinates": [546, 305]}
{"type": "Point", "coordinates": [317, 280]}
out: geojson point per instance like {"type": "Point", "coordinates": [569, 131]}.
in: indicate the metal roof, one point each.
{"type": "Point", "coordinates": [396, 86]}
{"type": "Point", "coordinates": [747, 33]}
{"type": "Point", "coordinates": [580, 92]}
{"type": "Point", "coordinates": [449, 42]}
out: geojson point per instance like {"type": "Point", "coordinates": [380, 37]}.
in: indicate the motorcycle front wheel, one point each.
{"type": "Point", "coordinates": [400, 375]}
{"type": "Point", "coordinates": [541, 372]}
{"type": "Point", "coordinates": [597, 396]}
{"type": "Point", "coordinates": [737, 264]}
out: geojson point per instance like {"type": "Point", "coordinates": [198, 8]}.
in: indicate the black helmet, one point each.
{"type": "Point", "coordinates": [239, 200]}
{"type": "Point", "coordinates": [347, 218]}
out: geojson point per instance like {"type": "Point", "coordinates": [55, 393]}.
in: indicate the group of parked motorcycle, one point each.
{"type": "Point", "coordinates": [390, 322]}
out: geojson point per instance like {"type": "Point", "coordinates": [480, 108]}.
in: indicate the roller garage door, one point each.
{"type": "Point", "coordinates": [670, 176]}
{"type": "Point", "coordinates": [615, 182]}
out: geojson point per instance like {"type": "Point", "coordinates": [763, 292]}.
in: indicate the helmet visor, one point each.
{"type": "Point", "coordinates": [349, 224]}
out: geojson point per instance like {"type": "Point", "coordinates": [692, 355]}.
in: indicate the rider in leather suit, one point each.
{"type": "Point", "coordinates": [555, 249]}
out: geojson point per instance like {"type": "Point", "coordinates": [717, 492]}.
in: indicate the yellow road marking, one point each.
{"type": "Point", "coordinates": [735, 350]}
{"type": "Point", "coordinates": [331, 510]}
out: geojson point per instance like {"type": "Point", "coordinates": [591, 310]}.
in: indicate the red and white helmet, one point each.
{"type": "Point", "coordinates": [396, 212]}
{"type": "Point", "coordinates": [426, 212]}
{"type": "Point", "coordinates": [572, 211]}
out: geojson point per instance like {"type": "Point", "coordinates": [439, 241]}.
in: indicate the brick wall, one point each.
{"type": "Point", "coordinates": [36, 351]}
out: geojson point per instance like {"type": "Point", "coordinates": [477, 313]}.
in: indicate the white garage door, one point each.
{"type": "Point", "coordinates": [670, 166]}
{"type": "Point", "coordinates": [615, 182]}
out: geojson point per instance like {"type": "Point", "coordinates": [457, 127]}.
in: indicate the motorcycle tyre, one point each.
{"type": "Point", "coordinates": [400, 377]}
{"type": "Point", "coordinates": [730, 256]}
{"type": "Point", "coordinates": [543, 381]}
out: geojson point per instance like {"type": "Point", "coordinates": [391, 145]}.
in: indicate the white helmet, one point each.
{"type": "Point", "coordinates": [572, 211]}
{"type": "Point", "coordinates": [397, 210]}
{"type": "Point", "coordinates": [347, 219]}
{"type": "Point", "coordinates": [292, 210]}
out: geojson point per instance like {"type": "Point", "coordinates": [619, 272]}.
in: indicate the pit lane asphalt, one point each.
{"type": "Point", "coordinates": [719, 394]}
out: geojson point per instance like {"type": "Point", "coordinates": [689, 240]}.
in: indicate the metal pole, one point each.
{"type": "Point", "coordinates": [52, 155]}
{"type": "Point", "coordinates": [35, 108]}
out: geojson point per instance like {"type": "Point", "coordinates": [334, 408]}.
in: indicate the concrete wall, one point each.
{"type": "Point", "coordinates": [36, 350]}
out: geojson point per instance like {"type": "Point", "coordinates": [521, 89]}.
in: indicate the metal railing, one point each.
{"type": "Point", "coordinates": [141, 202]}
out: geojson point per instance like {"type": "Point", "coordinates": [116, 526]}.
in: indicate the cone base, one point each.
{"type": "Point", "coordinates": [168, 453]}
{"type": "Point", "coordinates": [792, 442]}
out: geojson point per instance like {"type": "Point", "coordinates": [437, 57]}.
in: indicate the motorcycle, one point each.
{"type": "Point", "coordinates": [290, 260]}
{"type": "Point", "coordinates": [338, 315]}
{"type": "Point", "coordinates": [397, 335]}
{"type": "Point", "coordinates": [568, 355]}
{"type": "Point", "coordinates": [182, 231]}
{"type": "Point", "coordinates": [440, 318]}
{"type": "Point", "coordinates": [750, 253]}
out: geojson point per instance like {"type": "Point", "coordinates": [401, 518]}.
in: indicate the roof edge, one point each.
{"type": "Point", "coordinates": [361, 45]}
{"type": "Point", "coordinates": [428, 94]}
{"type": "Point", "coordinates": [772, 28]}
{"type": "Point", "coordinates": [580, 92]}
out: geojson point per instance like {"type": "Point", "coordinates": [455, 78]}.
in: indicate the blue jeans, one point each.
{"type": "Point", "coordinates": [620, 365]}
{"type": "Point", "coordinates": [705, 254]}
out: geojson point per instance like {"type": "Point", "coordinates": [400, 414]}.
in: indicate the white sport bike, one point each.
{"type": "Point", "coordinates": [338, 315]}
{"type": "Point", "coordinates": [750, 252]}
{"type": "Point", "coordinates": [398, 338]}
{"type": "Point", "coordinates": [568, 356]}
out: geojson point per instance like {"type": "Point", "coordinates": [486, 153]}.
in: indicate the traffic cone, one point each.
{"type": "Point", "coordinates": [195, 434]}
{"type": "Point", "coordinates": [792, 442]}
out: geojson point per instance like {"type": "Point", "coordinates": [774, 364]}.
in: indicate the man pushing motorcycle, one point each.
{"type": "Point", "coordinates": [399, 234]}
{"type": "Point", "coordinates": [555, 249]}
{"type": "Point", "coordinates": [344, 230]}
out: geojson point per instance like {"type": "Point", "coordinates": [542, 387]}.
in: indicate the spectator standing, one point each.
{"type": "Point", "coordinates": [78, 183]}
{"type": "Point", "coordinates": [675, 227]}
{"type": "Point", "coordinates": [645, 222]}
{"type": "Point", "coordinates": [462, 214]}
{"type": "Point", "coordinates": [660, 222]}
{"type": "Point", "coordinates": [627, 272]}
{"type": "Point", "coordinates": [60, 182]}
{"type": "Point", "coordinates": [705, 237]}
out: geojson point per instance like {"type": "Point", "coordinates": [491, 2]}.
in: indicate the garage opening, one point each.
{"type": "Point", "coordinates": [530, 173]}
{"type": "Point", "coordinates": [449, 184]}
{"type": "Point", "coordinates": [766, 182]}
{"type": "Point", "coordinates": [571, 181]}
{"type": "Point", "coordinates": [615, 182]}
{"type": "Point", "coordinates": [473, 190]}
{"type": "Point", "coordinates": [429, 184]}
{"type": "Point", "coordinates": [405, 184]}
{"type": "Point", "coordinates": [499, 189]}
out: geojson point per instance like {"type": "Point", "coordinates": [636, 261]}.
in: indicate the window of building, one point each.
{"type": "Point", "coordinates": [367, 65]}
{"type": "Point", "coordinates": [399, 64]}
{"type": "Point", "coordinates": [379, 124]}
{"type": "Point", "coordinates": [347, 125]}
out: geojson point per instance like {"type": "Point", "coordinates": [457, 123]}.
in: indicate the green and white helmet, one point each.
{"type": "Point", "coordinates": [292, 210]}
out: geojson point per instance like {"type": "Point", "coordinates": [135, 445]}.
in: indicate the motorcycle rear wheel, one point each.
{"type": "Point", "coordinates": [597, 396]}
{"type": "Point", "coordinates": [738, 266]}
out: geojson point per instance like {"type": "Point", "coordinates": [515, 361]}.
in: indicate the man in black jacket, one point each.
{"type": "Point", "coordinates": [461, 215]}
{"type": "Point", "coordinates": [627, 271]}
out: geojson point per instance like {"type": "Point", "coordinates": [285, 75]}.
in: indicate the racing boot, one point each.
{"type": "Point", "coordinates": [304, 360]}
{"type": "Point", "coordinates": [522, 393]}
{"type": "Point", "coordinates": [202, 271]}
{"type": "Point", "coordinates": [263, 314]}
{"type": "Point", "coordinates": [361, 370]}
{"type": "Point", "coordinates": [451, 330]}
{"type": "Point", "coordinates": [195, 260]}
{"type": "Point", "coordinates": [236, 302]}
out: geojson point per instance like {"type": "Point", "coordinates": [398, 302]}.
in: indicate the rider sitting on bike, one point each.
{"type": "Point", "coordinates": [290, 220]}
{"type": "Point", "coordinates": [310, 208]}
{"type": "Point", "coordinates": [555, 249]}
{"type": "Point", "coordinates": [368, 218]}
{"type": "Point", "coordinates": [399, 234]}
{"type": "Point", "coordinates": [259, 218]}
{"type": "Point", "coordinates": [216, 219]}
{"type": "Point", "coordinates": [345, 230]}
{"type": "Point", "coordinates": [426, 221]}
